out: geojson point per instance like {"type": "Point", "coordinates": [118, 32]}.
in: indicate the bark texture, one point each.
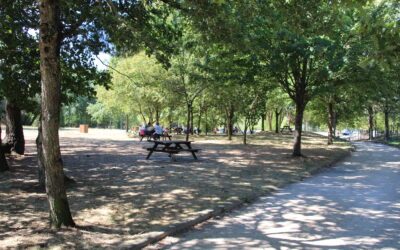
{"type": "Point", "coordinates": [387, 128]}
{"type": "Point", "coordinates": [230, 111]}
{"type": "Point", "coordinates": [245, 134]}
{"type": "Point", "coordinates": [298, 129]}
{"type": "Point", "coordinates": [49, 45]}
{"type": "Point", "coordinates": [40, 157]}
{"type": "Point", "coordinates": [15, 141]}
{"type": "Point", "coordinates": [269, 116]}
{"type": "Point", "coordinates": [277, 113]}
{"type": "Point", "coordinates": [331, 122]}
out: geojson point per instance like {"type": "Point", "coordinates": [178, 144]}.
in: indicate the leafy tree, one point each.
{"type": "Point", "coordinates": [99, 114]}
{"type": "Point", "coordinates": [18, 66]}
{"type": "Point", "coordinates": [64, 23]}
{"type": "Point", "coordinates": [252, 98]}
{"type": "Point", "coordinates": [381, 24]}
{"type": "Point", "coordinates": [188, 80]}
{"type": "Point", "coordinates": [303, 53]}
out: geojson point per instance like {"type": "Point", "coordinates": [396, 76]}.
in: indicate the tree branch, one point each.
{"type": "Point", "coordinates": [108, 66]}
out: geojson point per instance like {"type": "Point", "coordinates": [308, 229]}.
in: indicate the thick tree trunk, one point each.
{"type": "Point", "coordinates": [269, 118]}
{"type": "Point", "coordinates": [49, 45]}
{"type": "Point", "coordinates": [371, 122]}
{"type": "Point", "coordinates": [3, 161]}
{"type": "Point", "coordinates": [298, 129]}
{"type": "Point", "coordinates": [331, 118]}
{"type": "Point", "coordinates": [387, 129]}
{"type": "Point", "coordinates": [15, 140]}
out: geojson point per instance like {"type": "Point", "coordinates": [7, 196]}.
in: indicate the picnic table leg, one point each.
{"type": "Point", "coordinates": [148, 156]}
{"type": "Point", "coordinates": [190, 147]}
{"type": "Point", "coordinates": [152, 150]}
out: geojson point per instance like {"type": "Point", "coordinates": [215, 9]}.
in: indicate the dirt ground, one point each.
{"type": "Point", "coordinates": [119, 197]}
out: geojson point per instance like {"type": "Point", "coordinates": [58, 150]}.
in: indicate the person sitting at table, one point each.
{"type": "Point", "coordinates": [158, 131]}
{"type": "Point", "coordinates": [142, 131]}
{"type": "Point", "coordinates": [149, 129]}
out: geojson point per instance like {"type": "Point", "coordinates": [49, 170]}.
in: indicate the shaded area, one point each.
{"type": "Point", "coordinates": [119, 196]}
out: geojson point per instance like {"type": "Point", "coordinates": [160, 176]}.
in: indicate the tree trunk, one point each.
{"type": "Point", "coordinates": [189, 108]}
{"type": "Point", "coordinates": [157, 115]}
{"type": "Point", "coordinates": [49, 45]}
{"type": "Point", "coordinates": [127, 122]}
{"type": "Point", "coordinates": [3, 161]}
{"type": "Point", "coordinates": [277, 121]}
{"type": "Point", "coordinates": [229, 121]}
{"type": "Point", "coordinates": [263, 116]}
{"type": "Point", "coordinates": [269, 116]}
{"type": "Point", "coordinates": [298, 129]}
{"type": "Point", "coordinates": [15, 134]}
{"type": "Point", "coordinates": [335, 117]}
{"type": "Point", "coordinates": [199, 120]}
{"type": "Point", "coordinates": [371, 122]}
{"type": "Point", "coordinates": [330, 123]}
{"type": "Point", "coordinates": [387, 129]}
{"type": "Point", "coordinates": [40, 157]}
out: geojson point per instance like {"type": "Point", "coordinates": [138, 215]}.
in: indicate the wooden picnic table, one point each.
{"type": "Point", "coordinates": [172, 148]}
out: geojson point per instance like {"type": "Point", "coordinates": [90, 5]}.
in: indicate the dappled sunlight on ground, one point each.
{"type": "Point", "coordinates": [351, 206]}
{"type": "Point", "coordinates": [119, 196]}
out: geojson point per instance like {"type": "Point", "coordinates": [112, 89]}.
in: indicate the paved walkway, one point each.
{"type": "Point", "coordinates": [354, 205]}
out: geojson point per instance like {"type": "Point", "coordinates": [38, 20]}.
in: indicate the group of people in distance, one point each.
{"type": "Point", "coordinates": [149, 130]}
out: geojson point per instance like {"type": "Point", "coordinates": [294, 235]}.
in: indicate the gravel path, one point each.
{"type": "Point", "coordinates": [354, 205]}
